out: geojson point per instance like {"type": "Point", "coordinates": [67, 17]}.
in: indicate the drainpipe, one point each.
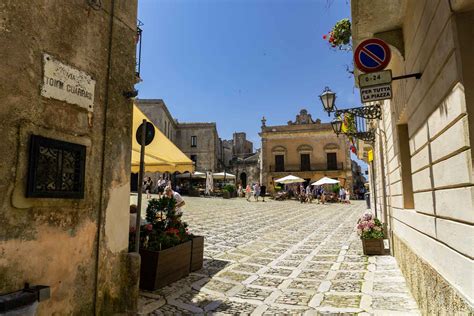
{"type": "Point", "coordinates": [101, 214]}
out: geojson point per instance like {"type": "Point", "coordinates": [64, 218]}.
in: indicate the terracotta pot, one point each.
{"type": "Point", "coordinates": [373, 246]}
{"type": "Point", "coordinates": [197, 253]}
{"type": "Point", "coordinates": [160, 268]}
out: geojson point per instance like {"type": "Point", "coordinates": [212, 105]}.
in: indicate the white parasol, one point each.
{"type": "Point", "coordinates": [325, 180]}
{"type": "Point", "coordinates": [290, 179]}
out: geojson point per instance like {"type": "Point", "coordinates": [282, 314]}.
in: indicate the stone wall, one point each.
{"type": "Point", "coordinates": [207, 145]}
{"type": "Point", "coordinates": [76, 246]}
{"type": "Point", "coordinates": [158, 113]}
{"type": "Point", "coordinates": [426, 196]}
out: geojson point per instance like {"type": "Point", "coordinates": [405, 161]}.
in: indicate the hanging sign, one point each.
{"type": "Point", "coordinates": [375, 78]}
{"type": "Point", "coordinates": [372, 55]}
{"type": "Point", "coordinates": [375, 93]}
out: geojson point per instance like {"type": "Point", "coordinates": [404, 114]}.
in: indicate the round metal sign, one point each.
{"type": "Point", "coordinates": [149, 133]}
{"type": "Point", "coordinates": [372, 55]}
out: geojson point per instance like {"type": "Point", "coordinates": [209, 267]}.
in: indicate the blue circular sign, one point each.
{"type": "Point", "coordinates": [372, 55]}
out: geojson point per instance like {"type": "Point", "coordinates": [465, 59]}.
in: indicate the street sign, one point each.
{"type": "Point", "coordinates": [149, 133]}
{"type": "Point", "coordinates": [374, 93]}
{"type": "Point", "coordinates": [372, 55]}
{"type": "Point", "coordinates": [375, 78]}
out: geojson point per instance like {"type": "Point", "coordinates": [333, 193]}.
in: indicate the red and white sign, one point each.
{"type": "Point", "coordinates": [372, 55]}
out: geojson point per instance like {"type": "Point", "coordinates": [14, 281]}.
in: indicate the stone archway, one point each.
{"type": "Point", "coordinates": [243, 179]}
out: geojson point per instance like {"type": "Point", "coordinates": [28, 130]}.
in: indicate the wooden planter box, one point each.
{"type": "Point", "coordinates": [373, 246]}
{"type": "Point", "coordinates": [197, 253]}
{"type": "Point", "coordinates": [160, 268]}
{"type": "Point", "coordinates": [226, 195]}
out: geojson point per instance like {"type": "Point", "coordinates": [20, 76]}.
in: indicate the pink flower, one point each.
{"type": "Point", "coordinates": [149, 227]}
{"type": "Point", "coordinates": [371, 223]}
{"type": "Point", "coordinates": [325, 36]}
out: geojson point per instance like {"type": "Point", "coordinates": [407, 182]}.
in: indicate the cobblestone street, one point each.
{"type": "Point", "coordinates": [282, 258]}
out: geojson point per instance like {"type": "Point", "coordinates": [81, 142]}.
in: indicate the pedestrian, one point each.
{"type": "Point", "coordinates": [239, 190]}
{"type": "Point", "coordinates": [148, 184]}
{"type": "Point", "coordinates": [348, 196]}
{"type": "Point", "coordinates": [178, 198]}
{"type": "Point", "coordinates": [256, 191]}
{"type": "Point", "coordinates": [248, 192]}
{"type": "Point", "coordinates": [263, 191]}
{"type": "Point", "coordinates": [322, 196]}
{"type": "Point", "coordinates": [309, 196]}
{"type": "Point", "coordinates": [342, 195]}
{"type": "Point", "coordinates": [161, 186]}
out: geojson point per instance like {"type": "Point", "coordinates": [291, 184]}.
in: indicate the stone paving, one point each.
{"type": "Point", "coordinates": [282, 258]}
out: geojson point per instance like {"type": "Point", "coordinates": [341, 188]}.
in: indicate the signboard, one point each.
{"type": "Point", "coordinates": [372, 55]}
{"type": "Point", "coordinates": [374, 93]}
{"type": "Point", "coordinates": [375, 78]}
{"type": "Point", "coordinates": [65, 83]}
{"type": "Point", "coordinates": [370, 155]}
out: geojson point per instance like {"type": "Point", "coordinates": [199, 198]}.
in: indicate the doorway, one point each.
{"type": "Point", "coordinates": [243, 179]}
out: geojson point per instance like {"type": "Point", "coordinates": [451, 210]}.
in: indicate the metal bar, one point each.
{"type": "Point", "coordinates": [416, 75]}
{"type": "Point", "coordinates": [140, 187]}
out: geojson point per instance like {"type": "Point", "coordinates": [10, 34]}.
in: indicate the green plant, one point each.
{"type": "Point", "coordinates": [340, 35]}
{"type": "Point", "coordinates": [229, 188]}
{"type": "Point", "coordinates": [336, 188]}
{"type": "Point", "coordinates": [165, 228]}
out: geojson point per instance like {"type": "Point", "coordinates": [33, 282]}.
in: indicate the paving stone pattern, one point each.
{"type": "Point", "coordinates": [282, 258]}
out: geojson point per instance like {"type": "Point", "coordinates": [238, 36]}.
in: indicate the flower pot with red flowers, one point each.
{"type": "Point", "coordinates": [165, 245]}
{"type": "Point", "coordinates": [370, 230]}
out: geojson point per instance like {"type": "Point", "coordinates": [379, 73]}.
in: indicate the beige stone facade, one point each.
{"type": "Point", "coordinates": [199, 141]}
{"type": "Point", "coordinates": [78, 247]}
{"type": "Point", "coordinates": [423, 152]}
{"type": "Point", "coordinates": [304, 148]}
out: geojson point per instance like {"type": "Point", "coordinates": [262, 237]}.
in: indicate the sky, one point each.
{"type": "Point", "coordinates": [234, 61]}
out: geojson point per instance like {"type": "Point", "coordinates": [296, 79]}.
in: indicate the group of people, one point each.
{"type": "Point", "coordinates": [308, 194]}
{"type": "Point", "coordinates": [149, 188]}
{"type": "Point", "coordinates": [256, 191]}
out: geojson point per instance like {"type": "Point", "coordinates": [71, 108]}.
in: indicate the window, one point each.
{"type": "Point", "coordinates": [194, 159]}
{"type": "Point", "coordinates": [332, 161]}
{"type": "Point", "coordinates": [405, 162]}
{"type": "Point", "coordinates": [279, 163]}
{"type": "Point", "coordinates": [193, 141]}
{"type": "Point", "coordinates": [305, 162]}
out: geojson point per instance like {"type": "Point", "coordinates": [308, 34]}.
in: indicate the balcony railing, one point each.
{"type": "Point", "coordinates": [312, 167]}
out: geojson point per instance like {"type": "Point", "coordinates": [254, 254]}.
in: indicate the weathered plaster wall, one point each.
{"type": "Point", "coordinates": [58, 242]}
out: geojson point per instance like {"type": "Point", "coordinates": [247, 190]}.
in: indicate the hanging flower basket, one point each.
{"type": "Point", "coordinates": [340, 35]}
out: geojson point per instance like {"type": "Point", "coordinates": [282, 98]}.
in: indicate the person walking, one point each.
{"type": "Point", "coordinates": [309, 196]}
{"type": "Point", "coordinates": [248, 192]}
{"type": "Point", "coordinates": [263, 191]}
{"type": "Point", "coordinates": [239, 190]}
{"type": "Point", "coordinates": [342, 195]}
{"type": "Point", "coordinates": [148, 185]}
{"type": "Point", "coordinates": [256, 191]}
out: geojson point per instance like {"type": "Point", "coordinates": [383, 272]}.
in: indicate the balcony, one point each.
{"type": "Point", "coordinates": [313, 167]}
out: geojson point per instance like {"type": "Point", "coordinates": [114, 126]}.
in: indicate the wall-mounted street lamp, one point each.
{"type": "Point", "coordinates": [328, 99]}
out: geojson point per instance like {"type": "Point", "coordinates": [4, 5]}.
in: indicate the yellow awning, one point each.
{"type": "Point", "coordinates": [161, 155]}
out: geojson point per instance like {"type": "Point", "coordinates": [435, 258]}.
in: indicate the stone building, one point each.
{"type": "Point", "coordinates": [423, 154]}
{"type": "Point", "coordinates": [65, 70]}
{"type": "Point", "coordinates": [199, 141]}
{"type": "Point", "coordinates": [246, 168]}
{"type": "Point", "coordinates": [304, 148]}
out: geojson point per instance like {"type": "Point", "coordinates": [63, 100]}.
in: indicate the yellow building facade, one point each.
{"type": "Point", "coordinates": [304, 148]}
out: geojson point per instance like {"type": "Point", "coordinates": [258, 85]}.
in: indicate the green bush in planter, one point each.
{"type": "Point", "coordinates": [164, 229]}
{"type": "Point", "coordinates": [229, 188]}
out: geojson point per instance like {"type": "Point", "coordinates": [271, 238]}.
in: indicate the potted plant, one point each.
{"type": "Point", "coordinates": [228, 191]}
{"type": "Point", "coordinates": [370, 231]}
{"type": "Point", "coordinates": [165, 245]}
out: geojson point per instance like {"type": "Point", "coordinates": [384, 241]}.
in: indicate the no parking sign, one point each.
{"type": "Point", "coordinates": [372, 55]}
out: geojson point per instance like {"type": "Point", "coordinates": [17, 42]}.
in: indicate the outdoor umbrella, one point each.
{"type": "Point", "coordinates": [222, 175]}
{"type": "Point", "coordinates": [325, 180]}
{"type": "Point", "coordinates": [289, 179]}
{"type": "Point", "coordinates": [194, 175]}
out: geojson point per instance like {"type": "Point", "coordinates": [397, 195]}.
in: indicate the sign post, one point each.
{"type": "Point", "coordinates": [372, 56]}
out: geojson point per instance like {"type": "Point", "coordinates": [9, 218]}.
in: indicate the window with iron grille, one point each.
{"type": "Point", "coordinates": [56, 169]}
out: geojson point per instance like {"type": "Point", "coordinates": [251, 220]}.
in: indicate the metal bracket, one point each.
{"type": "Point", "coordinates": [367, 112]}
{"type": "Point", "coordinates": [365, 136]}
{"type": "Point", "coordinates": [416, 75]}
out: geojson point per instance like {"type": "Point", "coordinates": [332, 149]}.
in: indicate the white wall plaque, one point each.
{"type": "Point", "coordinates": [62, 82]}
